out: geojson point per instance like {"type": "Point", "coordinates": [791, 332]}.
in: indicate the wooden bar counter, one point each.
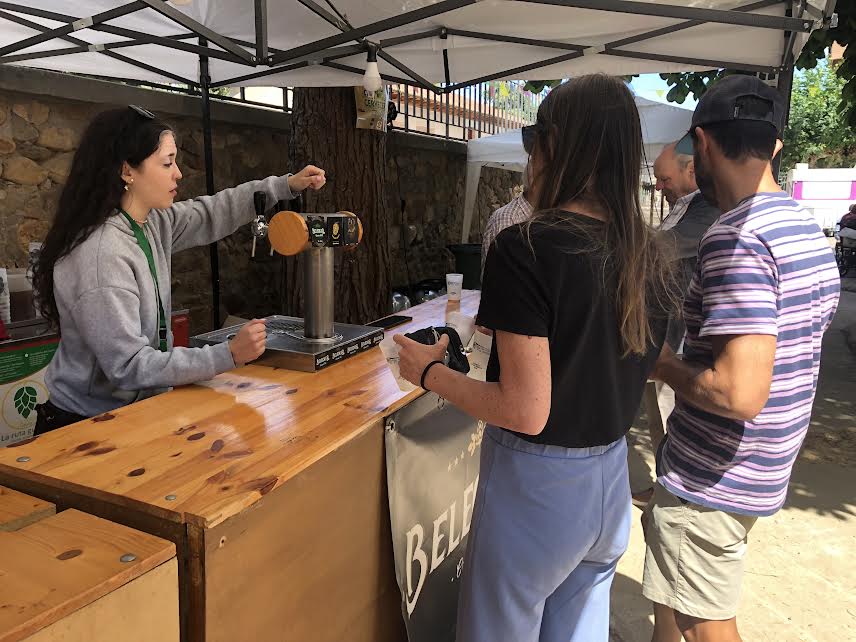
{"type": "Point", "coordinates": [270, 482]}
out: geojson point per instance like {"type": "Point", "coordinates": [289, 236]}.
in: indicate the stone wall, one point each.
{"type": "Point", "coordinates": [39, 133]}
{"type": "Point", "coordinates": [38, 137]}
{"type": "Point", "coordinates": [432, 185]}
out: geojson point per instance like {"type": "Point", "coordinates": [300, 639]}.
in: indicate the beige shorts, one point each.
{"type": "Point", "coordinates": [695, 556]}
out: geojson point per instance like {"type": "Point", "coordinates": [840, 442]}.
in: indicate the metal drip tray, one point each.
{"type": "Point", "coordinates": [297, 330]}
{"type": "Point", "coordinates": [288, 348]}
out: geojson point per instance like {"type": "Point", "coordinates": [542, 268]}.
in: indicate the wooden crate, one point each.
{"type": "Point", "coordinates": [73, 577]}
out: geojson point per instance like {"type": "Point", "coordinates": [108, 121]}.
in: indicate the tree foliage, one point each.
{"type": "Point", "coordinates": [844, 34]}
{"type": "Point", "coordinates": [817, 132]}
{"type": "Point", "coordinates": [696, 83]}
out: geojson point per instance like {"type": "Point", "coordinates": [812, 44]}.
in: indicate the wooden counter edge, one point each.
{"type": "Point", "coordinates": [242, 503]}
{"type": "Point", "coordinates": [39, 485]}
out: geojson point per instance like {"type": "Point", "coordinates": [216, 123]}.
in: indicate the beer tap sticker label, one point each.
{"type": "Point", "coordinates": [334, 355]}
{"type": "Point", "coordinates": [334, 230]}
{"type": "Point", "coordinates": [317, 231]}
{"type": "Point", "coordinates": [352, 236]}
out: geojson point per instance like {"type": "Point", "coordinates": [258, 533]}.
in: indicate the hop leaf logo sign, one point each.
{"type": "Point", "coordinates": [25, 401]}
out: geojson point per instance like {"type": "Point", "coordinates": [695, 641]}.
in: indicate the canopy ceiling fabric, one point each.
{"type": "Point", "coordinates": [610, 38]}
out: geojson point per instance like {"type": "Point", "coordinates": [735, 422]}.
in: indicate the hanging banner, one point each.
{"type": "Point", "coordinates": [432, 465]}
{"type": "Point", "coordinates": [371, 108]}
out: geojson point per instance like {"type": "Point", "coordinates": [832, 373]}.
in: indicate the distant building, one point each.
{"type": "Point", "coordinates": [824, 192]}
{"type": "Point", "coordinates": [836, 53]}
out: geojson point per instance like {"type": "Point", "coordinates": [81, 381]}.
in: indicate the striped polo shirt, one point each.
{"type": "Point", "coordinates": [765, 267]}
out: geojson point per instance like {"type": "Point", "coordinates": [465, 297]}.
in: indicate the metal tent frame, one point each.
{"type": "Point", "coordinates": [194, 37]}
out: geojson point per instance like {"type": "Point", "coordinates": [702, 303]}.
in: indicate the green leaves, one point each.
{"type": "Point", "coordinates": [25, 400]}
{"type": "Point", "coordinates": [696, 83]}
{"type": "Point", "coordinates": [537, 86]}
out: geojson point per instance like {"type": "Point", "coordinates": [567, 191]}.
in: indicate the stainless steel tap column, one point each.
{"type": "Point", "coordinates": [318, 292]}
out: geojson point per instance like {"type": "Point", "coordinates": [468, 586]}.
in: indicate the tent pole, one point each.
{"type": "Point", "coordinates": [785, 83]}
{"type": "Point", "coordinates": [651, 206]}
{"type": "Point", "coordinates": [214, 257]}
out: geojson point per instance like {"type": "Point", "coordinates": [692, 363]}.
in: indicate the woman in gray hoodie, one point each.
{"type": "Point", "coordinates": [103, 275]}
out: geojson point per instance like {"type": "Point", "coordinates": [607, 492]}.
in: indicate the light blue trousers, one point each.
{"type": "Point", "coordinates": [549, 526]}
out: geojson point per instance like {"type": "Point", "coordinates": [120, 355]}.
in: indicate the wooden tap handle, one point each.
{"type": "Point", "coordinates": [287, 233]}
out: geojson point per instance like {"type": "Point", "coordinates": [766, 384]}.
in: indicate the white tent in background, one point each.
{"type": "Point", "coordinates": [661, 124]}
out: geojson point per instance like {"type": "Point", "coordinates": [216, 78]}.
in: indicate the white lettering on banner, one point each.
{"type": "Point", "coordinates": [453, 541]}
{"type": "Point", "coordinates": [438, 556]}
{"type": "Point", "coordinates": [415, 554]}
{"type": "Point", "coordinates": [416, 537]}
{"type": "Point", "coordinates": [468, 507]}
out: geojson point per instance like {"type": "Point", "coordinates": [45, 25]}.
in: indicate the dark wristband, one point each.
{"type": "Point", "coordinates": [425, 373]}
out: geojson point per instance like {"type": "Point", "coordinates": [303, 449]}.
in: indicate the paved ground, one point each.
{"type": "Point", "coordinates": [801, 579]}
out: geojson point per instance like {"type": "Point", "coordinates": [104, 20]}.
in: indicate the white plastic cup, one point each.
{"type": "Point", "coordinates": [464, 325]}
{"type": "Point", "coordinates": [390, 352]}
{"type": "Point", "coordinates": [480, 355]}
{"type": "Point", "coordinates": [454, 286]}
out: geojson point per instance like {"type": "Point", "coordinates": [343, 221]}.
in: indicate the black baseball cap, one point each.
{"type": "Point", "coordinates": [736, 97]}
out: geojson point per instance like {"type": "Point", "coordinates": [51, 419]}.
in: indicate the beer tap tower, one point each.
{"type": "Point", "coordinates": [316, 341]}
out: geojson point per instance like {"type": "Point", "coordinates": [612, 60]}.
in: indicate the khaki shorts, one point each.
{"type": "Point", "coordinates": [695, 556]}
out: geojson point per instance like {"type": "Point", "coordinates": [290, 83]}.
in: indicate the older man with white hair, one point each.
{"type": "Point", "coordinates": [689, 217]}
{"type": "Point", "coordinates": [689, 212]}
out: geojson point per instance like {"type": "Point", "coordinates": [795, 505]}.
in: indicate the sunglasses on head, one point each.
{"type": "Point", "coordinates": [145, 113]}
{"type": "Point", "coordinates": [529, 133]}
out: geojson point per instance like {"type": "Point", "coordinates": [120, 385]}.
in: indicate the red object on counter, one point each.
{"type": "Point", "coordinates": [3, 334]}
{"type": "Point", "coordinates": [181, 328]}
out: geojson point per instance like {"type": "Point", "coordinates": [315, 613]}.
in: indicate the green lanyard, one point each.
{"type": "Point", "coordinates": [143, 242]}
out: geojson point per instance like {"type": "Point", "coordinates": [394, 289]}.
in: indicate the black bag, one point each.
{"type": "Point", "coordinates": [49, 417]}
{"type": "Point", "coordinates": [457, 358]}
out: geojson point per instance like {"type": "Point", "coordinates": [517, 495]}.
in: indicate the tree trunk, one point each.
{"type": "Point", "coordinates": [323, 133]}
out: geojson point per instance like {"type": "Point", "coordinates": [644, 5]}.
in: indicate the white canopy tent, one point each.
{"type": "Point", "coordinates": [440, 45]}
{"type": "Point", "coordinates": [661, 124]}
{"type": "Point", "coordinates": [453, 42]}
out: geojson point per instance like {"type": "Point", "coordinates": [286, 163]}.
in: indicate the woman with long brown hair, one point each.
{"type": "Point", "coordinates": [103, 274]}
{"type": "Point", "coordinates": [577, 299]}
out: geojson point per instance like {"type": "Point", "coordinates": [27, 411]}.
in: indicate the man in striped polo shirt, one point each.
{"type": "Point", "coordinates": [764, 291]}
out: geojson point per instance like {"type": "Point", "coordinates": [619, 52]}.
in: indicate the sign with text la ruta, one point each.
{"type": "Point", "coordinates": [432, 467]}
{"type": "Point", "coordinates": [22, 386]}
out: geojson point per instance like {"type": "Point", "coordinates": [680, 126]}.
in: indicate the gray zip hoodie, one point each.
{"type": "Point", "coordinates": [108, 354]}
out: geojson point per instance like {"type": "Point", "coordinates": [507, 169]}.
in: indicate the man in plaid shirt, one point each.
{"type": "Point", "coordinates": [517, 211]}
